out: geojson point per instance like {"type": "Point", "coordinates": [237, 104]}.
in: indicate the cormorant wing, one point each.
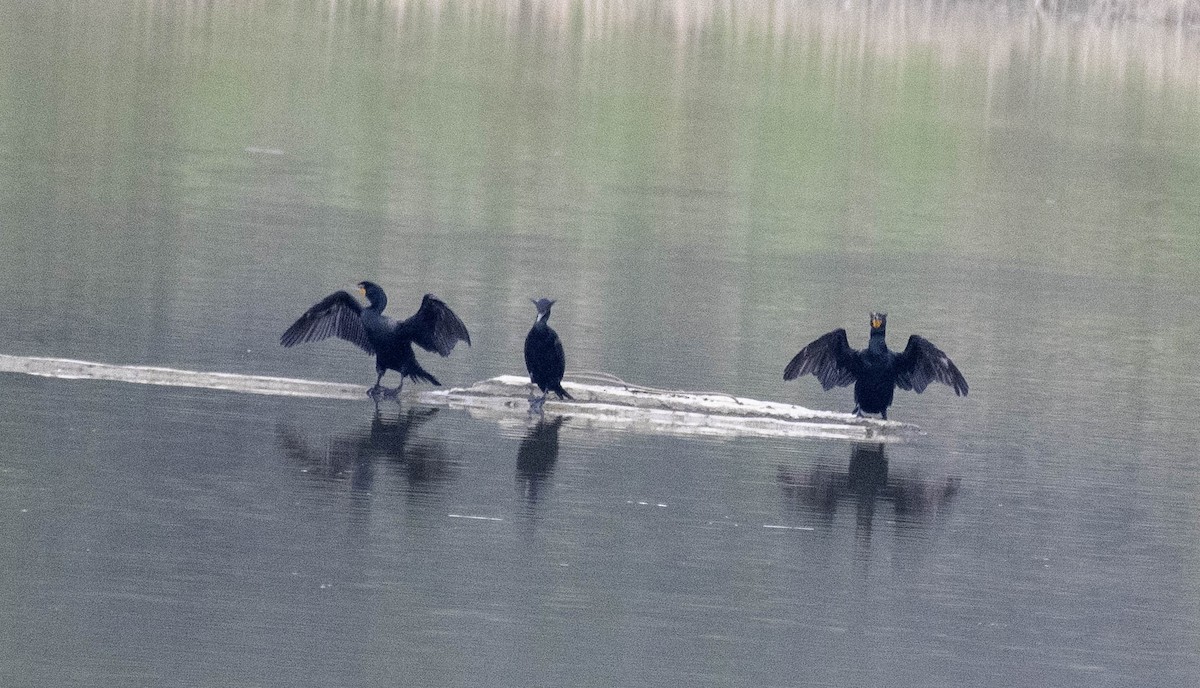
{"type": "Point", "coordinates": [434, 327]}
{"type": "Point", "coordinates": [922, 363]}
{"type": "Point", "coordinates": [544, 355]}
{"type": "Point", "coordinates": [336, 315]}
{"type": "Point", "coordinates": [830, 358]}
{"type": "Point", "coordinates": [560, 358]}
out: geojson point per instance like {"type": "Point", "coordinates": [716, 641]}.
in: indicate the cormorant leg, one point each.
{"type": "Point", "coordinates": [375, 391]}
{"type": "Point", "coordinates": [858, 411]}
{"type": "Point", "coordinates": [884, 414]}
{"type": "Point", "coordinates": [535, 405]}
{"type": "Point", "coordinates": [394, 393]}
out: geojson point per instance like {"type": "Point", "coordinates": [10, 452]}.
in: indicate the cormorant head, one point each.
{"type": "Point", "coordinates": [543, 308]}
{"type": "Point", "coordinates": [373, 292]}
{"type": "Point", "coordinates": [878, 323]}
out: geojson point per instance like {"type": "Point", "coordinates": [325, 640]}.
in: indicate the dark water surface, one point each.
{"type": "Point", "coordinates": [703, 194]}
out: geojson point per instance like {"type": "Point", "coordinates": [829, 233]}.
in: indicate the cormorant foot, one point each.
{"type": "Point", "coordinates": [376, 392]}
{"type": "Point", "coordinates": [859, 412]}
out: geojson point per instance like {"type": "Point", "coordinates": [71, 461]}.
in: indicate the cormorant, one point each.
{"type": "Point", "coordinates": [544, 356]}
{"type": "Point", "coordinates": [875, 371]}
{"type": "Point", "coordinates": [434, 327]}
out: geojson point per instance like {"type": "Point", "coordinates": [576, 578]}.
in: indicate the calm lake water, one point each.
{"type": "Point", "coordinates": [703, 193]}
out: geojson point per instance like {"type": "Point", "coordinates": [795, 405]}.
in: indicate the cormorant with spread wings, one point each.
{"type": "Point", "coordinates": [434, 327]}
{"type": "Point", "coordinates": [875, 371]}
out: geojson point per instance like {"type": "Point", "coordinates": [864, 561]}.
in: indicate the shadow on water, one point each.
{"type": "Point", "coordinates": [536, 458]}
{"type": "Point", "coordinates": [421, 462]}
{"type": "Point", "coordinates": [867, 483]}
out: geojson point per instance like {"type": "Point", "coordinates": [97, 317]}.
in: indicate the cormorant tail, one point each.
{"type": "Point", "coordinates": [416, 372]}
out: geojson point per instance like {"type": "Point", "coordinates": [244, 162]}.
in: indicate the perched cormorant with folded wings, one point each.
{"type": "Point", "coordinates": [544, 358]}
{"type": "Point", "coordinates": [875, 371]}
{"type": "Point", "coordinates": [434, 327]}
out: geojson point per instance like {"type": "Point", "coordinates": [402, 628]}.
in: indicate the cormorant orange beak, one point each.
{"type": "Point", "coordinates": [876, 323]}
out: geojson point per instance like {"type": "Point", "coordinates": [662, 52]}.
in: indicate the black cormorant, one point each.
{"type": "Point", "coordinates": [544, 355]}
{"type": "Point", "coordinates": [875, 371]}
{"type": "Point", "coordinates": [434, 327]}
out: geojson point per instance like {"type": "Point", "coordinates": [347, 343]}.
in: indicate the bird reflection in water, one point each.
{"type": "Point", "coordinates": [867, 482]}
{"type": "Point", "coordinates": [422, 462]}
{"type": "Point", "coordinates": [536, 458]}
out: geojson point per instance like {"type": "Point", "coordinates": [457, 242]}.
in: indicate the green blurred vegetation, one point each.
{"type": "Point", "coordinates": [746, 128]}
